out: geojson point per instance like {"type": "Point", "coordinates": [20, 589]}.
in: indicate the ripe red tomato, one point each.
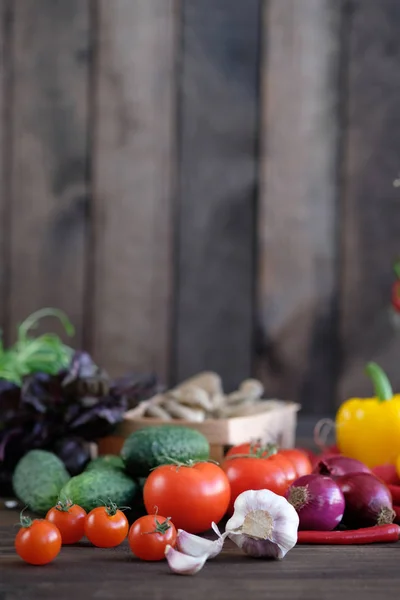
{"type": "Point", "coordinates": [149, 536]}
{"type": "Point", "coordinates": [254, 474]}
{"type": "Point", "coordinates": [192, 496]}
{"type": "Point", "coordinates": [70, 520]}
{"type": "Point", "coordinates": [106, 526]}
{"type": "Point", "coordinates": [299, 460]}
{"type": "Point", "coordinates": [276, 458]}
{"type": "Point", "coordinates": [38, 542]}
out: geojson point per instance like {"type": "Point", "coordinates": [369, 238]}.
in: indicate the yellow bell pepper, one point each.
{"type": "Point", "coordinates": [368, 429]}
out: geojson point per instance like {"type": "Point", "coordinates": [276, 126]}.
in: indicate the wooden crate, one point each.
{"type": "Point", "coordinates": [274, 422]}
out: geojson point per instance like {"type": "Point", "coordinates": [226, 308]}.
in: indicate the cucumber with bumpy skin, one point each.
{"type": "Point", "coordinates": [106, 461]}
{"type": "Point", "coordinates": [98, 487]}
{"type": "Point", "coordinates": [153, 446]}
{"type": "Point", "coordinates": [38, 479]}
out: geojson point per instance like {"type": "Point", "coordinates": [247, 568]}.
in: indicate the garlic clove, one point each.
{"type": "Point", "coordinates": [183, 564]}
{"type": "Point", "coordinates": [194, 545]}
{"type": "Point", "coordinates": [263, 524]}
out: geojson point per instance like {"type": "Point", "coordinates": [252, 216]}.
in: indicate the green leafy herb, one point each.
{"type": "Point", "coordinates": [46, 353]}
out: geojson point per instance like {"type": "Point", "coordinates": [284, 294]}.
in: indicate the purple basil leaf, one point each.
{"type": "Point", "coordinates": [136, 387]}
{"type": "Point", "coordinates": [100, 419]}
{"type": "Point", "coordinates": [85, 377]}
{"type": "Point", "coordinates": [9, 402]}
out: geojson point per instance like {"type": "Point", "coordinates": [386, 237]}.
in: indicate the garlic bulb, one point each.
{"type": "Point", "coordinates": [263, 524]}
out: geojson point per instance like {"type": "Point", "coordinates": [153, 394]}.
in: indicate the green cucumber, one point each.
{"type": "Point", "coordinates": [107, 461]}
{"type": "Point", "coordinates": [38, 479]}
{"type": "Point", "coordinates": [98, 487]}
{"type": "Point", "coordinates": [152, 446]}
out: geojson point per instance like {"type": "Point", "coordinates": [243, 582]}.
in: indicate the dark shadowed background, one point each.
{"type": "Point", "coordinates": [206, 184]}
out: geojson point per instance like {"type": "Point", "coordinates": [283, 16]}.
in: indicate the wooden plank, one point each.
{"type": "Point", "coordinates": [133, 183]}
{"type": "Point", "coordinates": [214, 328]}
{"type": "Point", "coordinates": [371, 211]}
{"type": "Point", "coordinates": [49, 158]}
{"type": "Point", "coordinates": [306, 573]}
{"type": "Point", "coordinates": [297, 282]}
{"type": "Point", "coordinates": [4, 76]}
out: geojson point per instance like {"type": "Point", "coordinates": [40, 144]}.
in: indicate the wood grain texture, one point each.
{"type": "Point", "coordinates": [133, 182]}
{"type": "Point", "coordinates": [306, 573]}
{"type": "Point", "coordinates": [49, 158]}
{"type": "Point", "coordinates": [297, 213]}
{"type": "Point", "coordinates": [4, 71]}
{"type": "Point", "coordinates": [219, 92]}
{"type": "Point", "coordinates": [371, 204]}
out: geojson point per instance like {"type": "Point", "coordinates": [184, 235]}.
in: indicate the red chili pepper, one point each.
{"type": "Point", "coordinates": [367, 535]}
{"type": "Point", "coordinates": [395, 491]}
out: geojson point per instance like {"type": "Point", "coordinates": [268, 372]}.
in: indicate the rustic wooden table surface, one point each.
{"type": "Point", "coordinates": [306, 573]}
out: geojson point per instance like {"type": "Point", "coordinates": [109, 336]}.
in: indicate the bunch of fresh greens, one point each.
{"type": "Point", "coordinates": [43, 354]}
{"type": "Point", "coordinates": [55, 398]}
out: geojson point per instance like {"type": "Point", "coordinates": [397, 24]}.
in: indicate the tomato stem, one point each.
{"type": "Point", "coordinates": [64, 505]}
{"type": "Point", "coordinates": [160, 527]}
{"type": "Point", "coordinates": [188, 463]}
{"type": "Point", "coordinates": [257, 452]}
{"type": "Point", "coordinates": [24, 521]}
{"type": "Point", "coordinates": [110, 507]}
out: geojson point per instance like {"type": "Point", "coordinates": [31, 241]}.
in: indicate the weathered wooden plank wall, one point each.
{"type": "Point", "coordinates": [298, 193]}
{"type": "Point", "coordinates": [49, 158]}
{"type": "Point", "coordinates": [4, 75]}
{"type": "Point", "coordinates": [218, 178]}
{"type": "Point", "coordinates": [370, 203]}
{"type": "Point", "coordinates": [133, 179]}
{"type": "Point", "coordinates": [206, 185]}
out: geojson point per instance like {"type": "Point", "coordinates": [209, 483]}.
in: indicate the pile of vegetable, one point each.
{"type": "Point", "coordinates": [165, 472]}
{"type": "Point", "coordinates": [272, 499]}
{"type": "Point", "coordinates": [163, 492]}
{"type": "Point", "coordinates": [55, 398]}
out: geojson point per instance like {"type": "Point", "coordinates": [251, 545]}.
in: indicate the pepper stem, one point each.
{"type": "Point", "coordinates": [382, 386]}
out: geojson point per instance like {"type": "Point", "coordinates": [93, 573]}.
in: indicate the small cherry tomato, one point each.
{"type": "Point", "coordinates": [38, 542]}
{"type": "Point", "coordinates": [70, 520]}
{"type": "Point", "coordinates": [149, 536]}
{"type": "Point", "coordinates": [106, 526]}
{"type": "Point", "coordinates": [193, 495]}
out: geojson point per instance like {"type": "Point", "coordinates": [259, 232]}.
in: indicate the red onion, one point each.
{"type": "Point", "coordinates": [368, 500]}
{"type": "Point", "coordinates": [318, 501]}
{"type": "Point", "coordinates": [337, 465]}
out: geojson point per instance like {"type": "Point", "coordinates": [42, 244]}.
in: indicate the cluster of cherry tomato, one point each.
{"type": "Point", "coordinates": [192, 495]}
{"type": "Point", "coordinates": [39, 541]}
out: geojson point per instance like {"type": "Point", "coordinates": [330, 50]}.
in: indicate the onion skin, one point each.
{"type": "Point", "coordinates": [368, 500]}
{"type": "Point", "coordinates": [337, 465]}
{"type": "Point", "coordinates": [319, 502]}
